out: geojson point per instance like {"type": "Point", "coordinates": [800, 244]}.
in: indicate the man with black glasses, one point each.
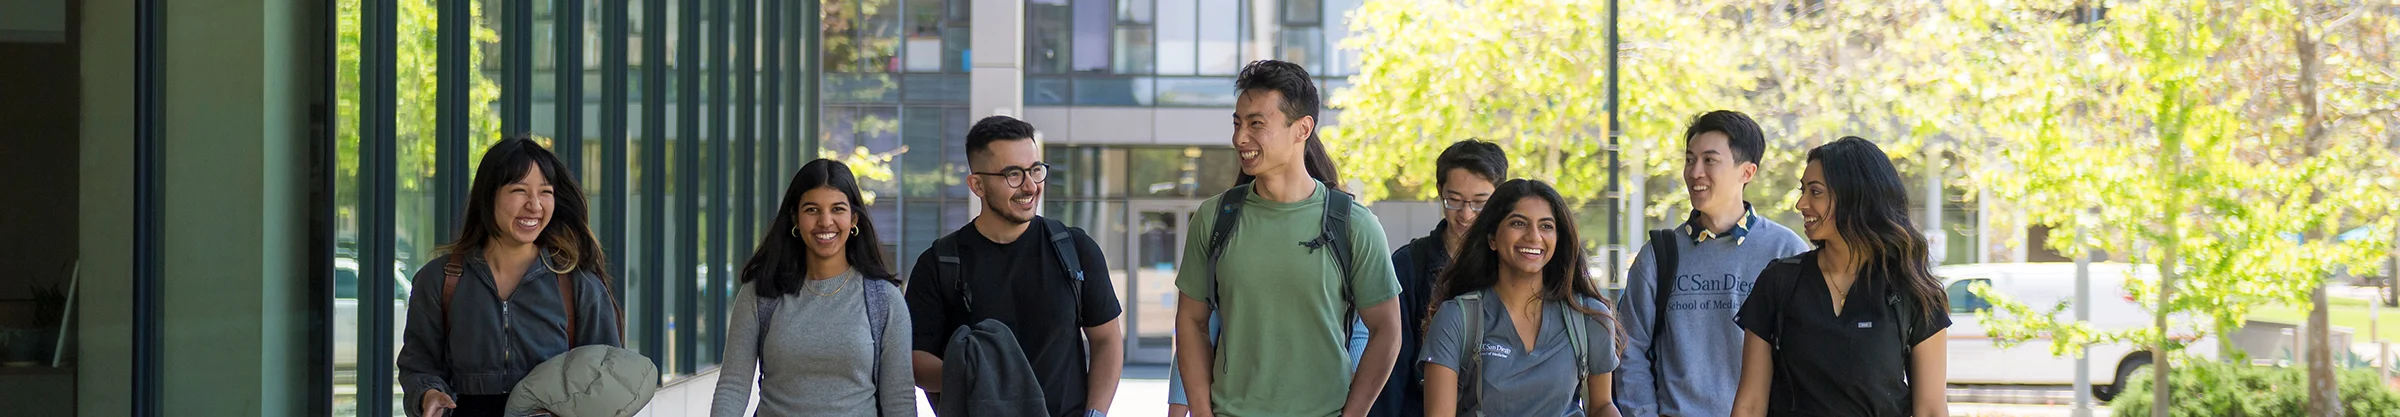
{"type": "Point", "coordinates": [1048, 283]}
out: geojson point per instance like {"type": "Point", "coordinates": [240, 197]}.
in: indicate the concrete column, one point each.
{"type": "Point", "coordinates": [997, 74]}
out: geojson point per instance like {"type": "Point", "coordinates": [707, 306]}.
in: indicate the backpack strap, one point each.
{"type": "Point", "coordinates": [566, 294]}
{"type": "Point", "coordinates": [1791, 290]}
{"type": "Point", "coordinates": [1470, 310]}
{"type": "Point", "coordinates": [946, 265]}
{"type": "Point", "coordinates": [766, 315]}
{"type": "Point", "coordinates": [1062, 239]}
{"type": "Point", "coordinates": [879, 316]}
{"type": "Point", "coordinates": [1334, 233]}
{"type": "Point", "coordinates": [1664, 260]}
{"type": "Point", "coordinates": [1576, 338]}
{"type": "Point", "coordinates": [1907, 322]}
{"type": "Point", "coordinates": [1229, 214]}
{"type": "Point", "coordinates": [450, 272]}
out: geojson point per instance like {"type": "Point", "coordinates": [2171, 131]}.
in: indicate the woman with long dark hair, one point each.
{"type": "Point", "coordinates": [1520, 317]}
{"type": "Point", "coordinates": [818, 324]}
{"type": "Point", "coordinates": [1857, 326]}
{"type": "Point", "coordinates": [525, 281]}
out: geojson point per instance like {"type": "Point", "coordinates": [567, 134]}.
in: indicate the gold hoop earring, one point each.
{"type": "Point", "coordinates": [854, 230]}
{"type": "Point", "coordinates": [795, 229]}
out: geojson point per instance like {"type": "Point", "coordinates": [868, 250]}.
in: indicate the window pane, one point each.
{"type": "Point", "coordinates": [1135, 53]}
{"type": "Point", "coordinates": [1133, 11]}
{"type": "Point", "coordinates": [1083, 172]}
{"type": "Point", "coordinates": [935, 88]}
{"type": "Point", "coordinates": [1196, 92]}
{"type": "Point", "coordinates": [1047, 91]}
{"type": "Point", "coordinates": [1189, 172]}
{"type": "Point", "coordinates": [347, 318]}
{"type": "Point", "coordinates": [1300, 11]}
{"type": "Point", "coordinates": [1091, 35]}
{"type": "Point", "coordinates": [1337, 29]}
{"type": "Point", "coordinates": [1112, 91]}
{"type": "Point", "coordinates": [1178, 37]}
{"type": "Point", "coordinates": [1304, 46]}
{"type": "Point", "coordinates": [1220, 37]}
{"type": "Point", "coordinates": [1047, 36]}
{"type": "Point", "coordinates": [861, 37]}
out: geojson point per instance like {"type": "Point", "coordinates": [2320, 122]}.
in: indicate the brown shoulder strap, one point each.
{"type": "Point", "coordinates": [566, 291]}
{"type": "Point", "coordinates": [450, 273]}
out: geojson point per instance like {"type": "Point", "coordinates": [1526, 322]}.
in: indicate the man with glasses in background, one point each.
{"type": "Point", "coordinates": [1047, 282]}
{"type": "Point", "coordinates": [1465, 174]}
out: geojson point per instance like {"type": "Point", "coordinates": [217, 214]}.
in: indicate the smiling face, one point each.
{"type": "Point", "coordinates": [1015, 204]}
{"type": "Point", "coordinates": [1527, 237]}
{"type": "Point", "coordinates": [522, 208]}
{"type": "Point", "coordinates": [1816, 204]}
{"type": "Point", "coordinates": [1265, 138]}
{"type": "Point", "coordinates": [1463, 187]}
{"type": "Point", "coordinates": [1712, 174]}
{"type": "Point", "coordinates": [824, 219]}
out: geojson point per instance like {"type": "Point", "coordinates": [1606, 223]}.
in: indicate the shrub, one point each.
{"type": "Point", "coordinates": [2216, 389]}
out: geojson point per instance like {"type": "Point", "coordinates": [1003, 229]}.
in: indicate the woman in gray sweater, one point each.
{"type": "Point", "coordinates": [819, 323]}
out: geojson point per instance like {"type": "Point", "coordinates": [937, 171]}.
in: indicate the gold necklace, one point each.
{"type": "Point", "coordinates": [837, 288]}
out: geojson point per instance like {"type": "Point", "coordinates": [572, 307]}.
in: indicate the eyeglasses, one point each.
{"type": "Point", "coordinates": [1017, 177]}
{"type": "Point", "coordinates": [1475, 206]}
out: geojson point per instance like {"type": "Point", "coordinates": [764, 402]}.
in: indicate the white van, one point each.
{"type": "Point", "coordinates": [1976, 359]}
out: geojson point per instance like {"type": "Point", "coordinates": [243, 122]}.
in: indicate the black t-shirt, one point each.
{"type": "Point", "coordinates": [1850, 364]}
{"type": "Point", "coordinates": [1023, 285]}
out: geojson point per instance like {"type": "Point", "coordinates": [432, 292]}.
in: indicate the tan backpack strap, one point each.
{"type": "Point", "coordinates": [566, 291]}
{"type": "Point", "coordinates": [450, 272]}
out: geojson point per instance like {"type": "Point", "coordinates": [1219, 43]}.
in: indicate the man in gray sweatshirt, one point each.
{"type": "Point", "coordinates": [1684, 358]}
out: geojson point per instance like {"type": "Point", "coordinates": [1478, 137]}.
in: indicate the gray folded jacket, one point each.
{"type": "Point", "coordinates": [589, 381]}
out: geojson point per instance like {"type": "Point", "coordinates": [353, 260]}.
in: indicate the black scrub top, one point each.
{"type": "Point", "coordinates": [1850, 364]}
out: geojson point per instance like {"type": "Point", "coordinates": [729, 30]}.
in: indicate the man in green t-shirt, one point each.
{"type": "Point", "coordinates": [1284, 298]}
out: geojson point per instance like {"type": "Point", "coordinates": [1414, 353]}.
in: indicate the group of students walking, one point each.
{"type": "Point", "coordinates": [1291, 304]}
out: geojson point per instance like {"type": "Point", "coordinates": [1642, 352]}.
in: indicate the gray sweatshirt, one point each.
{"type": "Point", "coordinates": [818, 359]}
{"type": "Point", "coordinates": [1700, 353]}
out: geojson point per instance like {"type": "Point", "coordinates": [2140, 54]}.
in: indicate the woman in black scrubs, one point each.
{"type": "Point", "coordinates": [1856, 327]}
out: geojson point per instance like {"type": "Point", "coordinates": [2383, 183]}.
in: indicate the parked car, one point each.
{"type": "Point", "coordinates": [345, 311]}
{"type": "Point", "coordinates": [1977, 359]}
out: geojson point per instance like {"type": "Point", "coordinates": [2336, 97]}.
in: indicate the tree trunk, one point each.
{"type": "Point", "coordinates": [2324, 397]}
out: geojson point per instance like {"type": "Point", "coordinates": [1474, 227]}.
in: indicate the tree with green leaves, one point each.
{"type": "Point", "coordinates": [2179, 137]}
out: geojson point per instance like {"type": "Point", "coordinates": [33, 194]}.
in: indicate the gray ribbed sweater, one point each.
{"type": "Point", "coordinates": [818, 358]}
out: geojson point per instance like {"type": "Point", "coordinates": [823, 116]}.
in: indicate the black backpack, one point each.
{"type": "Point", "coordinates": [987, 353]}
{"type": "Point", "coordinates": [1334, 234]}
{"type": "Point", "coordinates": [1663, 244]}
{"type": "Point", "coordinates": [1062, 239]}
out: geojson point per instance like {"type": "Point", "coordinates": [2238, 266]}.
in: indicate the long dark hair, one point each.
{"type": "Point", "coordinates": [1564, 278]}
{"type": "Point", "coordinates": [782, 261]}
{"type": "Point", "coordinates": [1870, 211]}
{"type": "Point", "coordinates": [568, 235]}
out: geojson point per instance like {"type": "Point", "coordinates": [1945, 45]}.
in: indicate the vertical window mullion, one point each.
{"type": "Point", "coordinates": [654, 182]}
{"type": "Point", "coordinates": [378, 56]}
{"type": "Point", "coordinates": [720, 118]}
{"type": "Point", "coordinates": [746, 123]}
{"type": "Point", "coordinates": [567, 18]}
{"type": "Point", "coordinates": [687, 176]}
{"type": "Point", "coordinates": [517, 94]}
{"type": "Point", "coordinates": [453, 112]}
{"type": "Point", "coordinates": [613, 138]}
{"type": "Point", "coordinates": [770, 134]}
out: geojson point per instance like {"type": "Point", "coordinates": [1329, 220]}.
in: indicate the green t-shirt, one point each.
{"type": "Point", "coordinates": [1282, 348]}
